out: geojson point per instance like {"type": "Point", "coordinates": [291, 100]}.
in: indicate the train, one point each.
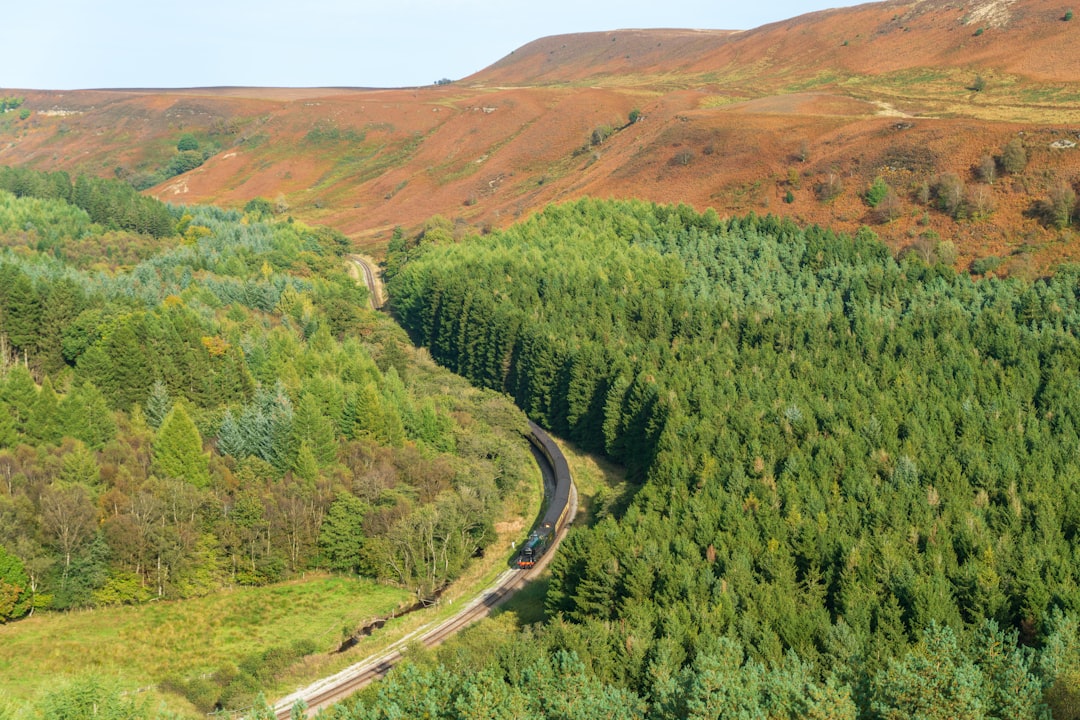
{"type": "Point", "coordinates": [558, 508]}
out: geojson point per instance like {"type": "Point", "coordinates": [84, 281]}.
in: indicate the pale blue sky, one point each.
{"type": "Point", "coordinates": [68, 44]}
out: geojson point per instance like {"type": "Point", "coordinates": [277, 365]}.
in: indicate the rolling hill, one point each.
{"type": "Point", "coordinates": [795, 118]}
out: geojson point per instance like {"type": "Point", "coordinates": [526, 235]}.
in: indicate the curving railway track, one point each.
{"type": "Point", "coordinates": [374, 285]}
{"type": "Point", "coordinates": [336, 688]}
{"type": "Point", "coordinates": [561, 510]}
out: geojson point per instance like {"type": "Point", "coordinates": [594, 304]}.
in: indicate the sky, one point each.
{"type": "Point", "coordinates": [75, 44]}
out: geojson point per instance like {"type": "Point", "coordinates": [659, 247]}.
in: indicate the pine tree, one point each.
{"type": "Point", "coordinates": [80, 467]}
{"type": "Point", "coordinates": [19, 391]}
{"type": "Point", "coordinates": [937, 680]}
{"type": "Point", "coordinates": [9, 435]}
{"type": "Point", "coordinates": [158, 404]}
{"type": "Point", "coordinates": [341, 537]}
{"type": "Point", "coordinates": [312, 427]}
{"type": "Point", "coordinates": [85, 415]}
{"type": "Point", "coordinates": [44, 423]}
{"type": "Point", "coordinates": [177, 450]}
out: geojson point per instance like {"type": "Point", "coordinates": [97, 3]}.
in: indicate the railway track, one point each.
{"type": "Point", "coordinates": [336, 688]}
{"type": "Point", "coordinates": [373, 286]}
{"type": "Point", "coordinates": [563, 505]}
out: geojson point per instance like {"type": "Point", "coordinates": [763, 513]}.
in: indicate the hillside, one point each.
{"type": "Point", "coordinates": [759, 120]}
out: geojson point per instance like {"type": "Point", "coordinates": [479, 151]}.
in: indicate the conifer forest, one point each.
{"type": "Point", "coordinates": [858, 478]}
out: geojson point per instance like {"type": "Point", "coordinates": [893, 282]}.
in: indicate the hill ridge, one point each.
{"type": "Point", "coordinates": [738, 120]}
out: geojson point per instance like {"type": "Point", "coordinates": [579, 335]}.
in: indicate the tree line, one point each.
{"type": "Point", "coordinates": [110, 203]}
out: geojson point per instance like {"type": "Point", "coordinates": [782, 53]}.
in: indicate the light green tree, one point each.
{"type": "Point", "coordinates": [177, 449]}
{"type": "Point", "coordinates": [44, 422]}
{"type": "Point", "coordinates": [80, 467]}
{"type": "Point", "coordinates": [85, 415]}
{"type": "Point", "coordinates": [9, 435]}
{"type": "Point", "coordinates": [316, 430]}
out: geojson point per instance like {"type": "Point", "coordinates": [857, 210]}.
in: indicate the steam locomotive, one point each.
{"type": "Point", "coordinates": [559, 506]}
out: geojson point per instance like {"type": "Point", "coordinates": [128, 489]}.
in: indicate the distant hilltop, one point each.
{"type": "Point", "coordinates": [798, 118]}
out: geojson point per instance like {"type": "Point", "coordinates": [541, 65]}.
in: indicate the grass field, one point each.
{"type": "Point", "coordinates": [140, 646]}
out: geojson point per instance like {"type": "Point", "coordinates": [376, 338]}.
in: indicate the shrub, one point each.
{"type": "Point", "coordinates": [979, 32]}
{"type": "Point", "coordinates": [259, 206]}
{"type": "Point", "coordinates": [187, 141]}
{"type": "Point", "coordinates": [185, 161]}
{"type": "Point", "coordinates": [682, 158]}
{"type": "Point", "coordinates": [978, 84]}
{"type": "Point", "coordinates": [600, 134]}
{"type": "Point", "coordinates": [1014, 156]}
{"type": "Point", "coordinates": [981, 266]}
{"type": "Point", "coordinates": [203, 693]}
{"type": "Point", "coordinates": [635, 116]}
{"type": "Point", "coordinates": [876, 192]}
{"type": "Point", "coordinates": [1067, 16]}
{"type": "Point", "coordinates": [789, 197]}
{"type": "Point", "coordinates": [949, 192]}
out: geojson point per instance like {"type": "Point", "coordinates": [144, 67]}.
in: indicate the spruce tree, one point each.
{"type": "Point", "coordinates": [80, 467]}
{"type": "Point", "coordinates": [128, 374]}
{"type": "Point", "coordinates": [19, 391]}
{"type": "Point", "coordinates": [8, 433]}
{"type": "Point", "coordinates": [85, 415]}
{"type": "Point", "coordinates": [306, 467]}
{"type": "Point", "coordinates": [312, 427]}
{"type": "Point", "coordinates": [44, 422]}
{"type": "Point", "coordinates": [158, 404]}
{"type": "Point", "coordinates": [230, 439]}
{"type": "Point", "coordinates": [20, 312]}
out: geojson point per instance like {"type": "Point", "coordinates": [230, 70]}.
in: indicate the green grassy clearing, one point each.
{"type": "Point", "coordinates": [141, 646]}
